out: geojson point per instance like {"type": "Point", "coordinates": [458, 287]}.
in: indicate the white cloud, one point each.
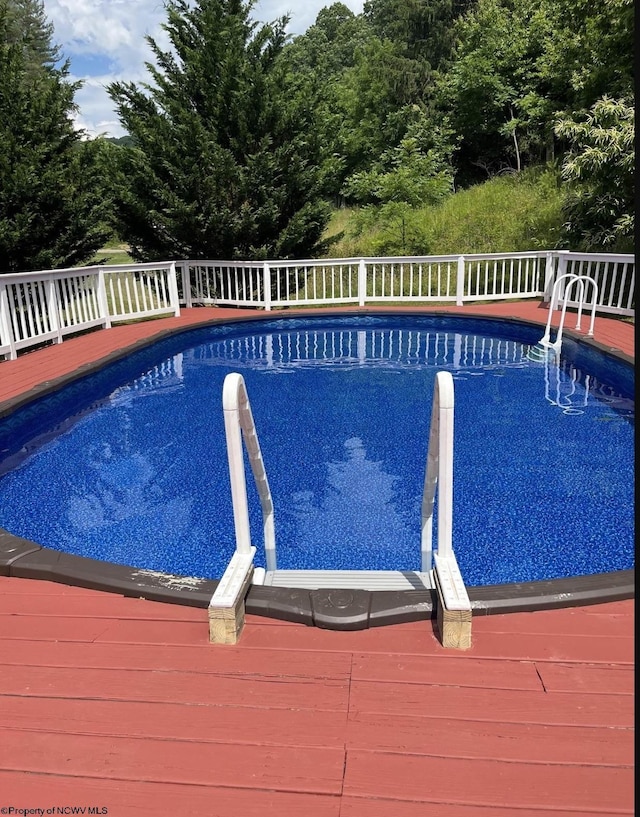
{"type": "Point", "coordinates": [105, 42]}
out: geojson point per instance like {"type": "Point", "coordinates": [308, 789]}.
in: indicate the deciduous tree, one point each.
{"type": "Point", "coordinates": [599, 171]}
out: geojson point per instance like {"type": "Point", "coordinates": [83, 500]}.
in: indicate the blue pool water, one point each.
{"type": "Point", "coordinates": [129, 465]}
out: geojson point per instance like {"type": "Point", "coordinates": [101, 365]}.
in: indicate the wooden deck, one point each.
{"type": "Point", "coordinates": [123, 707]}
{"type": "Point", "coordinates": [123, 704]}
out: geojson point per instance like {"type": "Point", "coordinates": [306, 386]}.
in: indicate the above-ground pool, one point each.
{"type": "Point", "coordinates": [129, 465]}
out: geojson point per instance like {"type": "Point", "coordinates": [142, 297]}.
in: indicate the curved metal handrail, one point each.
{"type": "Point", "coordinates": [582, 280]}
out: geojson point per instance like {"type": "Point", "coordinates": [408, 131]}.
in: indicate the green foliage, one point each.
{"type": "Point", "coordinates": [492, 91]}
{"type": "Point", "coordinates": [318, 62]}
{"type": "Point", "coordinates": [405, 178]}
{"type": "Point", "coordinates": [28, 27]}
{"type": "Point", "coordinates": [225, 163]}
{"type": "Point", "coordinates": [421, 30]}
{"type": "Point", "coordinates": [599, 170]}
{"type": "Point", "coordinates": [407, 174]}
{"type": "Point", "coordinates": [509, 213]}
{"type": "Point", "coordinates": [51, 205]}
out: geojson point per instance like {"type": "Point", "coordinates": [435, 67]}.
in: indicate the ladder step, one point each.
{"type": "Point", "coordinates": [350, 579]}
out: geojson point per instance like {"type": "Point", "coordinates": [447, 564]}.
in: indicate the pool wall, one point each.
{"type": "Point", "coordinates": [327, 608]}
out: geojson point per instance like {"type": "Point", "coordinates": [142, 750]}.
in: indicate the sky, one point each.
{"type": "Point", "coordinates": [105, 41]}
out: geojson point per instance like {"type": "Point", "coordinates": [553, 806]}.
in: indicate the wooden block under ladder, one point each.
{"type": "Point", "coordinates": [226, 608]}
{"type": "Point", "coordinates": [453, 608]}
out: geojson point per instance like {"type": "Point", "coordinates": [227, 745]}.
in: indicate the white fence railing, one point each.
{"type": "Point", "coordinates": [613, 275]}
{"type": "Point", "coordinates": [45, 306]}
{"type": "Point", "coordinates": [446, 278]}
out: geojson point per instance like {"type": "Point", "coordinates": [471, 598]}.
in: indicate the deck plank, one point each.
{"type": "Point", "coordinates": [500, 705]}
{"type": "Point", "coordinates": [489, 783]}
{"type": "Point", "coordinates": [204, 689]}
{"type": "Point", "coordinates": [125, 798]}
{"type": "Point", "coordinates": [584, 678]}
{"type": "Point", "coordinates": [316, 770]}
{"type": "Point", "coordinates": [107, 605]}
{"type": "Point", "coordinates": [377, 807]}
{"type": "Point", "coordinates": [446, 671]}
{"type": "Point", "coordinates": [204, 658]}
{"type": "Point", "coordinates": [214, 723]}
{"type": "Point", "coordinates": [437, 733]}
{"type": "Point", "coordinates": [421, 640]}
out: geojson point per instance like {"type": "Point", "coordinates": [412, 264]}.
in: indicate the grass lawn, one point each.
{"type": "Point", "coordinates": [112, 254]}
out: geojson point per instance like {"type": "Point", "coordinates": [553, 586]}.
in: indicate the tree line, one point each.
{"type": "Point", "coordinates": [242, 140]}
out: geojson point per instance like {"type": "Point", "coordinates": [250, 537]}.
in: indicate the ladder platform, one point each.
{"type": "Point", "coordinates": [350, 579]}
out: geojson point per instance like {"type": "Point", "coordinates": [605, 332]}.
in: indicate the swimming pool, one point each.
{"type": "Point", "coordinates": [543, 483]}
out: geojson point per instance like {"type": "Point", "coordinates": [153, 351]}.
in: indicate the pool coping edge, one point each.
{"type": "Point", "coordinates": [328, 608]}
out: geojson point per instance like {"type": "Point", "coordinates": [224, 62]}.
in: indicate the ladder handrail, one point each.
{"type": "Point", "coordinates": [239, 426]}
{"type": "Point", "coordinates": [573, 279]}
{"type": "Point", "coordinates": [439, 472]}
{"type": "Point", "coordinates": [439, 476]}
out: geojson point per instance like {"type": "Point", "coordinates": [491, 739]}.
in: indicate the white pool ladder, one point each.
{"type": "Point", "coordinates": [239, 426]}
{"type": "Point", "coordinates": [539, 351]}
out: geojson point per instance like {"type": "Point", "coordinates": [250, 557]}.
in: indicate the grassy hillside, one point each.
{"type": "Point", "coordinates": [505, 214]}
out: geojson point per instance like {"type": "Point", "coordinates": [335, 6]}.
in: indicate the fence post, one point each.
{"type": "Point", "coordinates": [52, 309]}
{"type": "Point", "coordinates": [6, 332]}
{"type": "Point", "coordinates": [460, 281]}
{"type": "Point", "coordinates": [103, 305]}
{"type": "Point", "coordinates": [173, 289]}
{"type": "Point", "coordinates": [548, 277]}
{"type": "Point", "coordinates": [185, 279]}
{"type": "Point", "coordinates": [266, 285]}
{"type": "Point", "coordinates": [560, 272]}
{"type": "Point", "coordinates": [362, 282]}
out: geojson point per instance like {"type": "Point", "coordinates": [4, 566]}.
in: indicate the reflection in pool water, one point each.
{"type": "Point", "coordinates": [543, 463]}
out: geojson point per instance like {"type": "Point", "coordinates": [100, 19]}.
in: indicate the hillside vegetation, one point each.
{"type": "Point", "coordinates": [508, 213]}
{"type": "Point", "coordinates": [416, 126]}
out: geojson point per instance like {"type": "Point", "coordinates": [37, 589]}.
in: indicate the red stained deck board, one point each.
{"type": "Point", "coordinates": [39, 587]}
{"type": "Point", "coordinates": [508, 705]}
{"type": "Point", "coordinates": [370, 807]}
{"type": "Point", "coordinates": [289, 726]}
{"type": "Point", "coordinates": [602, 619]}
{"type": "Point", "coordinates": [580, 678]}
{"type": "Point", "coordinates": [418, 638]}
{"type": "Point", "coordinates": [457, 737]}
{"type": "Point", "coordinates": [106, 605]}
{"type": "Point", "coordinates": [284, 768]}
{"type": "Point", "coordinates": [585, 789]}
{"type": "Point", "coordinates": [207, 658]}
{"type": "Point", "coordinates": [446, 671]}
{"type": "Point", "coordinates": [51, 628]}
{"type": "Point", "coordinates": [124, 798]}
{"type": "Point", "coordinates": [176, 687]}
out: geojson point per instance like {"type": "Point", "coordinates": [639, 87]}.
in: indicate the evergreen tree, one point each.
{"type": "Point", "coordinates": [225, 163]}
{"type": "Point", "coordinates": [51, 205]}
{"type": "Point", "coordinates": [27, 26]}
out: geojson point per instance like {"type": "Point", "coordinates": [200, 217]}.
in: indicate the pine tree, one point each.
{"type": "Point", "coordinates": [225, 163]}
{"type": "Point", "coordinates": [28, 26]}
{"type": "Point", "coordinates": [51, 203]}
